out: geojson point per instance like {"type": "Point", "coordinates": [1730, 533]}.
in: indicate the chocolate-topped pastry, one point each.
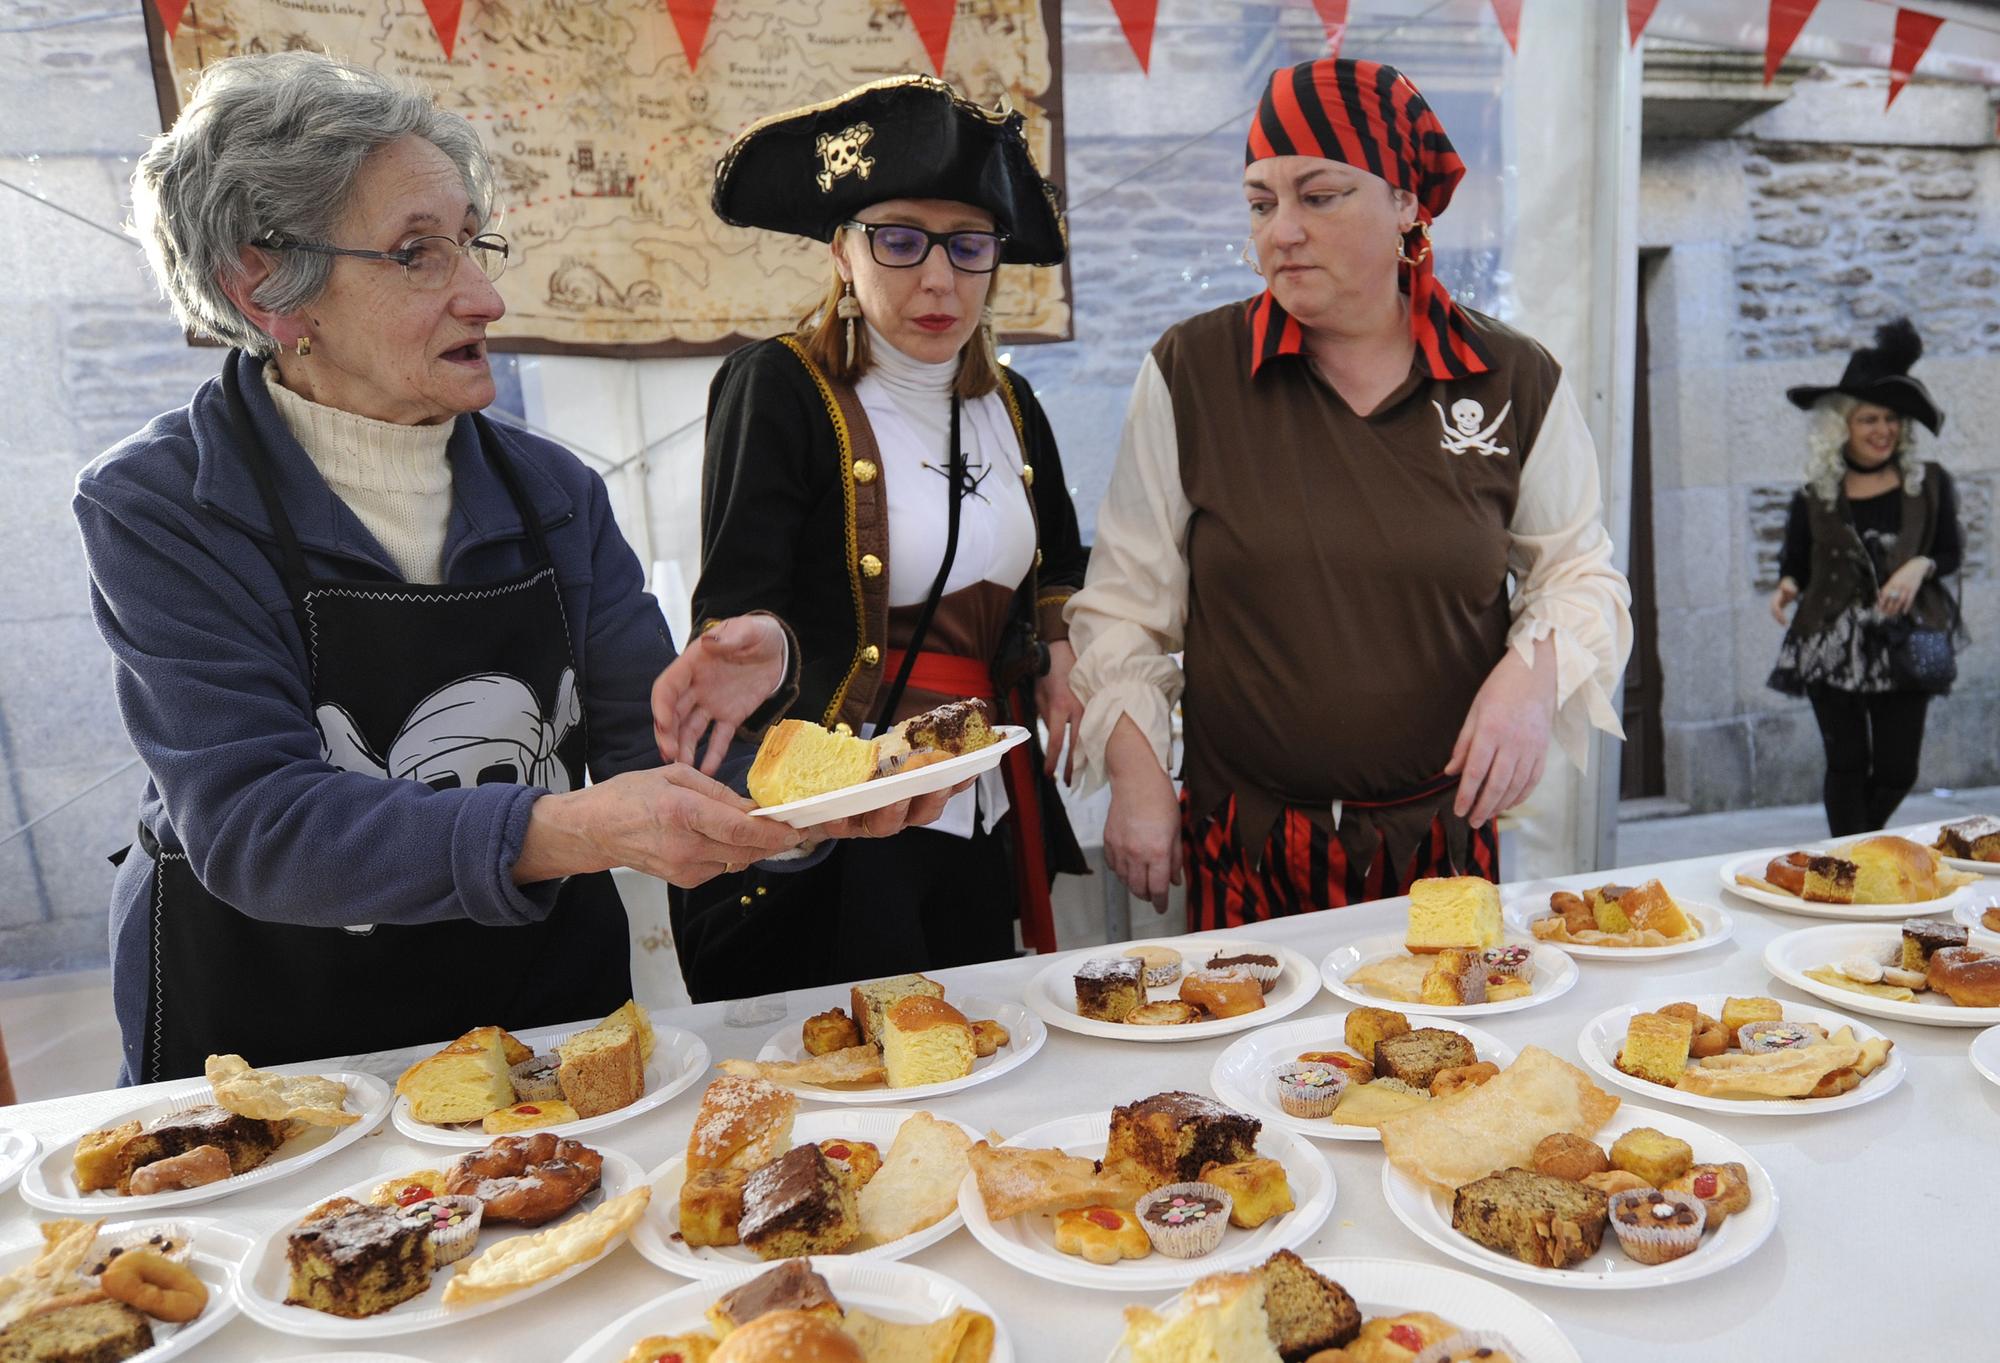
{"type": "Point", "coordinates": [357, 1262]}
{"type": "Point", "coordinates": [791, 1286]}
{"type": "Point", "coordinates": [534, 1080]}
{"type": "Point", "coordinates": [248, 1141]}
{"type": "Point", "coordinates": [1974, 839]}
{"type": "Point", "coordinates": [1108, 988]}
{"type": "Point", "coordinates": [1263, 967]}
{"type": "Point", "coordinates": [797, 1204]}
{"type": "Point", "coordinates": [957, 727]}
{"type": "Point", "coordinates": [1923, 937]}
{"type": "Point", "coordinates": [1171, 1137]}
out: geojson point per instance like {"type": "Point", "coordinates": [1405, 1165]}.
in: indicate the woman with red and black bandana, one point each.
{"type": "Point", "coordinates": [1321, 497]}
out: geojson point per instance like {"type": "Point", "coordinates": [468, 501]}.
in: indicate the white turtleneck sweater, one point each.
{"type": "Point", "coordinates": [396, 479]}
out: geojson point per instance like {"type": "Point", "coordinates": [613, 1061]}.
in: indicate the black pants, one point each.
{"type": "Point", "coordinates": [1873, 743]}
{"type": "Point", "coordinates": [876, 906]}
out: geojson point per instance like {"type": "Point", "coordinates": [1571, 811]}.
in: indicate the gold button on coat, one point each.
{"type": "Point", "coordinates": [871, 566]}
{"type": "Point", "coordinates": [843, 729]}
{"type": "Point", "coordinates": [864, 470]}
{"type": "Point", "coordinates": [871, 655]}
{"type": "Point", "coordinates": [1038, 558]}
{"type": "Point", "coordinates": [1028, 474]}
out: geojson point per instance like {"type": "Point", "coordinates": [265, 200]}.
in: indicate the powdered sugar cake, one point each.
{"type": "Point", "coordinates": [743, 1123]}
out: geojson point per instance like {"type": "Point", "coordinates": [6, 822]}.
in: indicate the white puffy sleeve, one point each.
{"type": "Point", "coordinates": [1130, 618]}
{"type": "Point", "coordinates": [1565, 587]}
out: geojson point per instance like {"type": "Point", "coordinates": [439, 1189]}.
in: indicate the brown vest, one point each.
{"type": "Point", "coordinates": [1842, 574]}
{"type": "Point", "coordinates": [1348, 575]}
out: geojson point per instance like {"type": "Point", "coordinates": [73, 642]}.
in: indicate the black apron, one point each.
{"type": "Point", "coordinates": [402, 677]}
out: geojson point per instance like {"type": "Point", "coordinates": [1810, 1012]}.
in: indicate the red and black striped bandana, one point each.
{"type": "Point", "coordinates": [1371, 117]}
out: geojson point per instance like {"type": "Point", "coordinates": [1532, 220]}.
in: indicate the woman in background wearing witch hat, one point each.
{"type": "Point", "coordinates": [879, 478]}
{"type": "Point", "coordinates": [1868, 538]}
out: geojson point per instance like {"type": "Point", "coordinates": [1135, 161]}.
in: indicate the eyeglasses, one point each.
{"type": "Point", "coordinates": [428, 262]}
{"type": "Point", "coordinates": [901, 247]}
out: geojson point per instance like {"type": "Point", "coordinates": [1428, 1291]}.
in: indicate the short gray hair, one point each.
{"type": "Point", "coordinates": [271, 146]}
{"type": "Point", "coordinates": [1826, 448]}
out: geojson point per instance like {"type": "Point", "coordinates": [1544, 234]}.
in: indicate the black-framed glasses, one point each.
{"type": "Point", "coordinates": [902, 247]}
{"type": "Point", "coordinates": [428, 262]}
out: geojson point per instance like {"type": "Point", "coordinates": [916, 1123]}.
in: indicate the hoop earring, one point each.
{"type": "Point", "coordinates": [848, 309]}
{"type": "Point", "coordinates": [1423, 254]}
{"type": "Point", "coordinates": [304, 347]}
{"type": "Point", "coordinates": [1256, 266]}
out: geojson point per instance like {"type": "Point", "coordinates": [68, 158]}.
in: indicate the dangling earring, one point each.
{"type": "Point", "coordinates": [1256, 267]}
{"type": "Point", "coordinates": [1423, 254]}
{"type": "Point", "coordinates": [848, 309]}
{"type": "Point", "coordinates": [304, 347]}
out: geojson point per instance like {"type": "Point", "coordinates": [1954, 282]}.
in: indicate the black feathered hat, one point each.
{"type": "Point", "coordinates": [1881, 375]}
{"type": "Point", "coordinates": [809, 170]}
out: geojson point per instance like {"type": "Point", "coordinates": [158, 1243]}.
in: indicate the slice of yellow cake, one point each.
{"type": "Point", "coordinates": [799, 759]}
{"type": "Point", "coordinates": [461, 1083]}
{"type": "Point", "coordinates": [925, 1041]}
{"type": "Point", "coordinates": [1456, 912]}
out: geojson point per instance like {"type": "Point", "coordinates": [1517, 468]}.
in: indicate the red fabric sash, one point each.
{"type": "Point", "coordinates": [953, 674]}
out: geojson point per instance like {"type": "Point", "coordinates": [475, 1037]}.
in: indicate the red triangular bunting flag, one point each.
{"type": "Point", "coordinates": [933, 22]}
{"type": "Point", "coordinates": [1333, 14]}
{"type": "Point", "coordinates": [1914, 32]}
{"type": "Point", "coordinates": [691, 23]}
{"type": "Point", "coordinates": [1508, 12]}
{"type": "Point", "coordinates": [1136, 17]}
{"type": "Point", "coordinates": [1787, 18]}
{"type": "Point", "coordinates": [1639, 13]}
{"type": "Point", "coordinates": [170, 14]}
{"type": "Point", "coordinates": [444, 21]}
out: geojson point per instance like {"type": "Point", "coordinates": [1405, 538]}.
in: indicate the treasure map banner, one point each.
{"type": "Point", "coordinates": [604, 120]}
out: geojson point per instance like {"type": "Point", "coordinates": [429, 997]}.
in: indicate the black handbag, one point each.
{"type": "Point", "coordinates": [1922, 658]}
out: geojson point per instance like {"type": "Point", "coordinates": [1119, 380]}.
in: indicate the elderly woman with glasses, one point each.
{"type": "Point", "coordinates": [390, 665]}
{"type": "Point", "coordinates": [879, 479]}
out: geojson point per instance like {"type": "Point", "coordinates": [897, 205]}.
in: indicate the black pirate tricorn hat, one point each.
{"type": "Point", "coordinates": [809, 170]}
{"type": "Point", "coordinates": [1881, 375]}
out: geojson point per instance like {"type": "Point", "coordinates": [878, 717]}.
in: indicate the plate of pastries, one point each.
{"type": "Point", "coordinates": [1753, 1056]}
{"type": "Point", "coordinates": [1615, 922]}
{"type": "Point", "coordinates": [1288, 1310]}
{"type": "Point", "coordinates": [1877, 877]}
{"type": "Point", "coordinates": [490, 1082]}
{"type": "Point", "coordinates": [1965, 844]}
{"type": "Point", "coordinates": [106, 1292]}
{"type": "Point", "coordinates": [1542, 1176]}
{"type": "Point", "coordinates": [806, 774]}
{"type": "Point", "coordinates": [809, 1311]}
{"type": "Point", "coordinates": [1935, 971]}
{"type": "Point", "coordinates": [420, 1248]}
{"type": "Point", "coordinates": [1172, 988]}
{"type": "Point", "coordinates": [1453, 958]}
{"type": "Point", "coordinates": [1339, 1077]}
{"type": "Point", "coordinates": [207, 1138]}
{"type": "Point", "coordinates": [1148, 1196]}
{"type": "Point", "coordinates": [1979, 915]}
{"type": "Point", "coordinates": [759, 1182]}
{"type": "Point", "coordinates": [898, 1040]}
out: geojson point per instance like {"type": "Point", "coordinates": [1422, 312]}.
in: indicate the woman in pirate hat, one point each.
{"type": "Point", "coordinates": [1866, 542]}
{"type": "Point", "coordinates": [1362, 692]}
{"type": "Point", "coordinates": [883, 482]}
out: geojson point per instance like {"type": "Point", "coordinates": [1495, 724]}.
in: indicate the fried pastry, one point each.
{"type": "Point", "coordinates": [1258, 1190]}
{"type": "Point", "coordinates": [1013, 1181]}
{"type": "Point", "coordinates": [917, 1185]}
{"type": "Point", "coordinates": [832, 1030]}
{"type": "Point", "coordinates": [856, 1065]}
{"type": "Point", "coordinates": [273, 1097]}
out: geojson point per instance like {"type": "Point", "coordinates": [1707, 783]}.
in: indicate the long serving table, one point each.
{"type": "Point", "coordinates": [1884, 1234]}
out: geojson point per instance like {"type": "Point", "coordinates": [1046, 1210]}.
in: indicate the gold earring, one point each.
{"type": "Point", "coordinates": [1423, 254]}
{"type": "Point", "coordinates": [304, 347]}
{"type": "Point", "coordinates": [1256, 267]}
{"type": "Point", "coordinates": [848, 309]}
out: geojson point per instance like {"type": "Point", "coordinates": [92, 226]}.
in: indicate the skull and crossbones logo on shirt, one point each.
{"type": "Point", "coordinates": [1463, 433]}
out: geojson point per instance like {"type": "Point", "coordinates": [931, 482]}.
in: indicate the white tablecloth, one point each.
{"type": "Point", "coordinates": [1883, 1249]}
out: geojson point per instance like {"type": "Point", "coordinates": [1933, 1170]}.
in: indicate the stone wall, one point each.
{"type": "Point", "coordinates": [1782, 247]}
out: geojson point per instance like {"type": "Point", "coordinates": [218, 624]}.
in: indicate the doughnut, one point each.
{"type": "Point", "coordinates": [1966, 975]}
{"type": "Point", "coordinates": [526, 1179]}
{"type": "Point", "coordinates": [163, 1290]}
{"type": "Point", "coordinates": [1788, 873]}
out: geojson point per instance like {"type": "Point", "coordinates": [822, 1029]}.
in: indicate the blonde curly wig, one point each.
{"type": "Point", "coordinates": [1826, 448]}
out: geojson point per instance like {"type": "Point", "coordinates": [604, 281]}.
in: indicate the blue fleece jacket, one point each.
{"type": "Point", "coordinates": [212, 680]}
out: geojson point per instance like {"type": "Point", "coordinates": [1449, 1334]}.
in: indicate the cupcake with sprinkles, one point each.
{"type": "Point", "coordinates": [1185, 1220]}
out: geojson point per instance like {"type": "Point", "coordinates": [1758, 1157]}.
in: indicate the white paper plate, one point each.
{"type": "Point", "coordinates": [679, 1058]}
{"type": "Point", "coordinates": [1391, 1287]}
{"type": "Point", "coordinates": [352, 1356]}
{"type": "Point", "coordinates": [1025, 1033]}
{"type": "Point", "coordinates": [1555, 974]}
{"type": "Point", "coordinates": [1969, 914]}
{"type": "Point", "coordinates": [1985, 1054]}
{"type": "Point", "coordinates": [848, 801]}
{"type": "Point", "coordinates": [1927, 833]}
{"type": "Point", "coordinates": [1052, 992]}
{"type": "Point", "coordinates": [894, 1292]}
{"type": "Point", "coordinates": [50, 1182]}
{"type": "Point", "coordinates": [1716, 927]}
{"type": "Point", "coordinates": [1755, 863]}
{"type": "Point", "coordinates": [1603, 1035]}
{"type": "Point", "coordinates": [1243, 1078]}
{"type": "Point", "coordinates": [265, 1278]}
{"type": "Point", "coordinates": [217, 1251]}
{"type": "Point", "coordinates": [1429, 1215]}
{"type": "Point", "coordinates": [17, 1150]}
{"type": "Point", "coordinates": [1029, 1242]}
{"type": "Point", "coordinates": [1790, 956]}
{"type": "Point", "coordinates": [657, 1234]}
